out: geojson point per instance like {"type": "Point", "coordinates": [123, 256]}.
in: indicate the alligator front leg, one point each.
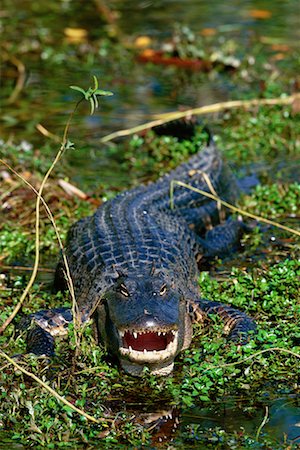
{"type": "Point", "coordinates": [42, 327]}
{"type": "Point", "coordinates": [237, 324]}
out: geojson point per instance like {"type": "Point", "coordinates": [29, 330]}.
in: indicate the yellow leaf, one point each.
{"type": "Point", "coordinates": [142, 42]}
{"type": "Point", "coordinates": [75, 34]}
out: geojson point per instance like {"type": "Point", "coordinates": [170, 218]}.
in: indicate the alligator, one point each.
{"type": "Point", "coordinates": [135, 267]}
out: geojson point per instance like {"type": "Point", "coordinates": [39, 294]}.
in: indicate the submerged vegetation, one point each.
{"type": "Point", "coordinates": [257, 385]}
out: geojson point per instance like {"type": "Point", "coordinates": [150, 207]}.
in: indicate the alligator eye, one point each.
{"type": "Point", "coordinates": [123, 290]}
{"type": "Point", "coordinates": [163, 289]}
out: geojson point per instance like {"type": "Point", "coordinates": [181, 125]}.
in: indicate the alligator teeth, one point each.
{"type": "Point", "coordinates": [130, 348]}
{"type": "Point", "coordinates": [142, 332]}
{"type": "Point", "coordinates": [145, 351]}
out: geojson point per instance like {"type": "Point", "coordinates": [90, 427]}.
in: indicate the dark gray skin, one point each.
{"type": "Point", "coordinates": [135, 265]}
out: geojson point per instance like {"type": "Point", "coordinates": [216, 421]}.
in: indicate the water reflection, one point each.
{"type": "Point", "coordinates": [235, 417]}
{"type": "Point", "coordinates": [239, 416]}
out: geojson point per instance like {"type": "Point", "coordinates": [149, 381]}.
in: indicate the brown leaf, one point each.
{"type": "Point", "coordinates": [158, 57]}
{"type": "Point", "coordinates": [72, 190]}
{"type": "Point", "coordinates": [103, 434]}
{"type": "Point", "coordinates": [148, 53]}
{"type": "Point", "coordinates": [280, 47]}
{"type": "Point", "coordinates": [260, 13]}
{"type": "Point", "coordinates": [278, 57]}
{"type": "Point", "coordinates": [296, 104]}
{"type": "Point", "coordinates": [208, 32]}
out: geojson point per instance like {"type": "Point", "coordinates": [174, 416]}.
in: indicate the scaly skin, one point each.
{"type": "Point", "coordinates": [135, 265]}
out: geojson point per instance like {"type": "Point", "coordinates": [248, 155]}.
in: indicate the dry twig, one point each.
{"type": "Point", "coordinates": [264, 421]}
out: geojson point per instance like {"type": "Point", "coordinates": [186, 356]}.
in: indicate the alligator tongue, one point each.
{"type": "Point", "coordinates": [149, 341]}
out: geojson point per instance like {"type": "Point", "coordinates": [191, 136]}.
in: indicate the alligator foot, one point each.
{"type": "Point", "coordinates": [42, 326]}
{"type": "Point", "coordinates": [237, 324]}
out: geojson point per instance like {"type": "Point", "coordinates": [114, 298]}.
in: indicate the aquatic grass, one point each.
{"type": "Point", "coordinates": [268, 200]}
{"type": "Point", "coordinates": [206, 376]}
{"type": "Point", "coordinates": [50, 390]}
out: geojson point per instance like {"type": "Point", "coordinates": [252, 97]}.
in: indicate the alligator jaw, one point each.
{"type": "Point", "coordinates": [149, 346]}
{"type": "Point", "coordinates": [137, 370]}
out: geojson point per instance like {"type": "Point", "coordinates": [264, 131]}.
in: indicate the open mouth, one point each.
{"type": "Point", "coordinates": [148, 346]}
{"type": "Point", "coordinates": [147, 340]}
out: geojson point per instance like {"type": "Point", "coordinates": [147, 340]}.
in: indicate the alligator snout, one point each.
{"type": "Point", "coordinates": [155, 349]}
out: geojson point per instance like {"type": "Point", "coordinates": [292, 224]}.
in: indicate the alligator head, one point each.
{"type": "Point", "coordinates": [144, 321]}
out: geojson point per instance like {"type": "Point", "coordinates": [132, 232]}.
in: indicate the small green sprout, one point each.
{"type": "Point", "coordinates": [91, 94]}
{"type": "Point", "coordinates": [69, 145]}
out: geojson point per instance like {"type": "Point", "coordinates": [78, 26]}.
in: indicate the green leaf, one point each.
{"type": "Point", "coordinates": [95, 101]}
{"type": "Point", "coordinates": [92, 105]}
{"type": "Point", "coordinates": [91, 94]}
{"type": "Point", "coordinates": [69, 145]}
{"type": "Point", "coordinates": [79, 89]}
{"type": "Point", "coordinates": [96, 82]}
{"type": "Point", "coordinates": [103, 93]}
